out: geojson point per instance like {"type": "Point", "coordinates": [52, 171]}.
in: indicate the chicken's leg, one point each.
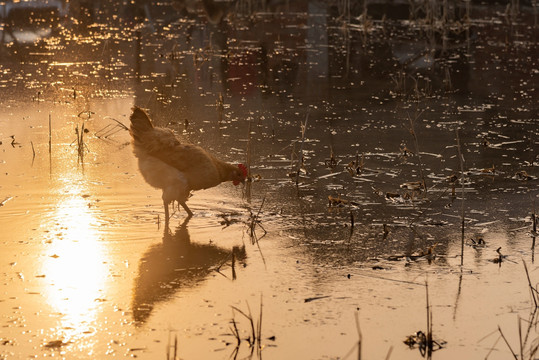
{"type": "Point", "coordinates": [166, 213]}
{"type": "Point", "coordinates": [186, 208]}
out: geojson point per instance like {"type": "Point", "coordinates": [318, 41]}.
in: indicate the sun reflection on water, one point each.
{"type": "Point", "coordinates": [75, 267]}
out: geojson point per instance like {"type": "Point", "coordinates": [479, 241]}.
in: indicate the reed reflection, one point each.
{"type": "Point", "coordinates": [174, 265]}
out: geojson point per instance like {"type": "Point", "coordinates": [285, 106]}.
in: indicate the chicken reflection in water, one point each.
{"type": "Point", "coordinates": [176, 264]}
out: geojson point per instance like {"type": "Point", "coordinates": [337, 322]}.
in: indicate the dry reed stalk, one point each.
{"type": "Point", "coordinates": [50, 134]}
{"type": "Point", "coordinates": [233, 266]}
{"type": "Point", "coordinates": [527, 350]}
{"type": "Point", "coordinates": [300, 156]}
{"type": "Point", "coordinates": [80, 142]}
{"type": "Point", "coordinates": [259, 326]}
{"type": "Point", "coordinates": [168, 346]}
{"type": "Point", "coordinates": [255, 222]}
{"type": "Point", "coordinates": [359, 335]}
{"type": "Point", "coordinates": [248, 161]}
{"type": "Point", "coordinates": [412, 131]}
{"type": "Point", "coordinates": [533, 290]}
{"type": "Point", "coordinates": [520, 343]}
{"type": "Point", "coordinates": [33, 152]}
{"type": "Point", "coordinates": [461, 161]}
{"type": "Point", "coordinates": [220, 107]}
{"type": "Point", "coordinates": [253, 337]}
{"type": "Point", "coordinates": [389, 352]}
{"type": "Point", "coordinates": [429, 322]}
{"type": "Point", "coordinates": [534, 220]}
{"type": "Point", "coordinates": [175, 347]}
{"type": "Point", "coordinates": [235, 331]}
{"type": "Point", "coordinates": [507, 343]}
{"type": "Point", "coordinates": [252, 230]}
{"type": "Point", "coordinates": [110, 129]}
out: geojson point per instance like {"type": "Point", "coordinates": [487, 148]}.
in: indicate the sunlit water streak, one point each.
{"type": "Point", "coordinates": [76, 267]}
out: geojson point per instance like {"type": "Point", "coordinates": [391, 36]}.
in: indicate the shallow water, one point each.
{"type": "Point", "coordinates": [88, 270]}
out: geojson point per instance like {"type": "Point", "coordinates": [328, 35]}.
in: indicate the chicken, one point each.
{"type": "Point", "coordinates": [174, 167]}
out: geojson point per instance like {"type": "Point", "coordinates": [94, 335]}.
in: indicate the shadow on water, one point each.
{"type": "Point", "coordinates": [174, 265]}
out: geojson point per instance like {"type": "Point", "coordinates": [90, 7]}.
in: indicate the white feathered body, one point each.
{"type": "Point", "coordinates": [176, 168]}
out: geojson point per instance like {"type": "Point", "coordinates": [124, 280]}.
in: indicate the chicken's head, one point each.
{"type": "Point", "coordinates": [239, 175]}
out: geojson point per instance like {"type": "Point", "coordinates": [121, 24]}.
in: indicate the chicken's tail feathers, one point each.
{"type": "Point", "coordinates": [140, 121]}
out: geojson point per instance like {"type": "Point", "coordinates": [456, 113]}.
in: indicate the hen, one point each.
{"type": "Point", "coordinates": [175, 167]}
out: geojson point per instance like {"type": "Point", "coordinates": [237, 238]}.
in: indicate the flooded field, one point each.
{"type": "Point", "coordinates": [373, 135]}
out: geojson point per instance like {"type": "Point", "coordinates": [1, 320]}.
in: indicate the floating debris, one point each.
{"type": "Point", "coordinates": [3, 202]}
{"type": "Point", "coordinates": [523, 176]}
{"type": "Point", "coordinates": [5, 342]}
{"type": "Point", "coordinates": [55, 344]}
{"type": "Point", "coordinates": [331, 163]}
{"type": "Point", "coordinates": [453, 179]}
{"type": "Point", "coordinates": [316, 298]}
{"type": "Point", "coordinates": [419, 339]}
{"type": "Point", "coordinates": [413, 185]}
{"type": "Point", "coordinates": [355, 167]}
{"type": "Point", "coordinates": [500, 258]}
{"type": "Point", "coordinates": [404, 151]}
{"type": "Point", "coordinates": [13, 142]}
{"type": "Point", "coordinates": [338, 202]}
{"type": "Point", "coordinates": [392, 195]}
{"type": "Point", "coordinates": [489, 171]}
{"type": "Point", "coordinates": [477, 243]}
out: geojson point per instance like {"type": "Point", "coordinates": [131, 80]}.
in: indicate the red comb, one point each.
{"type": "Point", "coordinates": [243, 169]}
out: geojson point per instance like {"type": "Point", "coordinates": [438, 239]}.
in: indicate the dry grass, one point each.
{"type": "Point", "coordinates": [528, 345]}
{"type": "Point", "coordinates": [254, 338]}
